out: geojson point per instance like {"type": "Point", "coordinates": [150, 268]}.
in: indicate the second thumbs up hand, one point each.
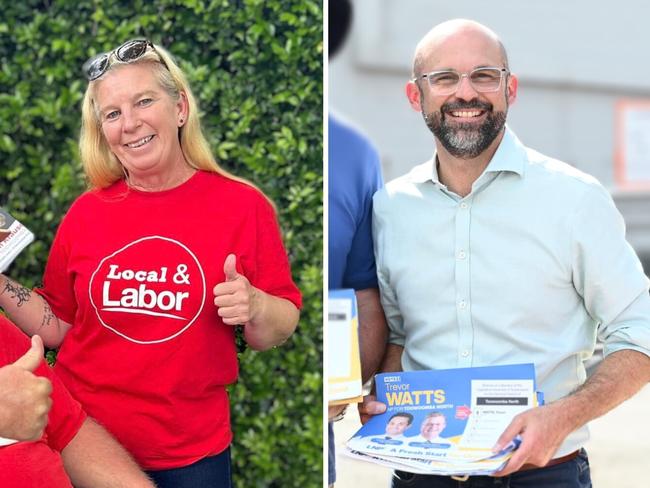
{"type": "Point", "coordinates": [236, 299]}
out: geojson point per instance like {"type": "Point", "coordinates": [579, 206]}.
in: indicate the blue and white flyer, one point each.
{"type": "Point", "coordinates": [446, 417]}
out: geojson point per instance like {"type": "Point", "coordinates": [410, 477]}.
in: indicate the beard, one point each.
{"type": "Point", "coordinates": [465, 140]}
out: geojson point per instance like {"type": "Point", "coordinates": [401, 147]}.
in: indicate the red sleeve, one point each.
{"type": "Point", "coordinates": [66, 415]}
{"type": "Point", "coordinates": [273, 271]}
{"type": "Point", "coordinates": [58, 280]}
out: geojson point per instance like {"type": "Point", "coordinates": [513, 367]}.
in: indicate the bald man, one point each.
{"type": "Point", "coordinates": [491, 253]}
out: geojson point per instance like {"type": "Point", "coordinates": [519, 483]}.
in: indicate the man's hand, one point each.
{"type": "Point", "coordinates": [24, 397]}
{"type": "Point", "coordinates": [542, 430]}
{"type": "Point", "coordinates": [236, 298]}
{"type": "Point", "coordinates": [619, 376]}
{"type": "Point", "coordinates": [334, 411]}
{"type": "Point", "coordinates": [391, 362]}
{"type": "Point", "coordinates": [369, 407]}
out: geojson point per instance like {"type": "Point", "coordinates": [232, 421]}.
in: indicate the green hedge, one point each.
{"type": "Point", "coordinates": [256, 68]}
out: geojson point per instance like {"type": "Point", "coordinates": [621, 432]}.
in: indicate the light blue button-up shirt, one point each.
{"type": "Point", "coordinates": [529, 267]}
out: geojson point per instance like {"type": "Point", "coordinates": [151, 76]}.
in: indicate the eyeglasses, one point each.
{"type": "Point", "coordinates": [127, 52]}
{"type": "Point", "coordinates": [483, 80]}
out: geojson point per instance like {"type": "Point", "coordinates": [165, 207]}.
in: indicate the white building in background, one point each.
{"type": "Point", "coordinates": [584, 86]}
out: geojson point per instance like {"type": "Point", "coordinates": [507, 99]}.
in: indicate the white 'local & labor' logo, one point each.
{"type": "Point", "coordinates": [149, 291]}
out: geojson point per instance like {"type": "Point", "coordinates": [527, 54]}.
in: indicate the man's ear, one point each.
{"type": "Point", "coordinates": [413, 95]}
{"type": "Point", "coordinates": [511, 88]}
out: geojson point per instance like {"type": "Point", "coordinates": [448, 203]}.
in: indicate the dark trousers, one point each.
{"type": "Point", "coordinates": [571, 474]}
{"type": "Point", "coordinates": [331, 455]}
{"type": "Point", "coordinates": [209, 472]}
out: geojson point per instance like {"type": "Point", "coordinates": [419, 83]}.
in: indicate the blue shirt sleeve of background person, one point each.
{"type": "Point", "coordinates": [354, 175]}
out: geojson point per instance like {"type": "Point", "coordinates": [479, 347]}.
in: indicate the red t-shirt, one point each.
{"type": "Point", "coordinates": [38, 464]}
{"type": "Point", "coordinates": [147, 354]}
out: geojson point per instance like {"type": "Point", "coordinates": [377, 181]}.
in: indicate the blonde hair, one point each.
{"type": "Point", "coordinates": [101, 166]}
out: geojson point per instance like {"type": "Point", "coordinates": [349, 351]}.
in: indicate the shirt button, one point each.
{"type": "Point", "coordinates": [461, 255]}
{"type": "Point", "coordinates": [463, 205]}
{"type": "Point", "coordinates": [465, 353]}
{"type": "Point", "coordinates": [462, 304]}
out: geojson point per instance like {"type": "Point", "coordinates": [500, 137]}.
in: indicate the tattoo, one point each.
{"type": "Point", "coordinates": [48, 315]}
{"type": "Point", "coordinates": [18, 292]}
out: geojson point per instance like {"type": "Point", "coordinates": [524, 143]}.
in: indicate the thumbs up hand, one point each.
{"type": "Point", "coordinates": [25, 399]}
{"type": "Point", "coordinates": [33, 357]}
{"type": "Point", "coordinates": [230, 268]}
{"type": "Point", "coordinates": [236, 299]}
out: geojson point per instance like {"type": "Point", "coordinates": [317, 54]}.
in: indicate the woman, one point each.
{"type": "Point", "coordinates": [136, 262]}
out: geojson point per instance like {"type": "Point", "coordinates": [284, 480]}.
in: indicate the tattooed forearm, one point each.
{"type": "Point", "coordinates": [48, 316]}
{"type": "Point", "coordinates": [17, 292]}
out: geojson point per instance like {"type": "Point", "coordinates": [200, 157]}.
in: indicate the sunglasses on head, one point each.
{"type": "Point", "coordinates": [127, 52]}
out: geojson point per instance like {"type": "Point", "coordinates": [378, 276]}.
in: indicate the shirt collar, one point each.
{"type": "Point", "coordinates": [509, 156]}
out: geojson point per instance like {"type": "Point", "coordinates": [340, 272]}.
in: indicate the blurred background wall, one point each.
{"type": "Point", "coordinates": [584, 86]}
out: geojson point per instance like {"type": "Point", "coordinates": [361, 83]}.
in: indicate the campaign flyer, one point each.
{"type": "Point", "coordinates": [343, 356]}
{"type": "Point", "coordinates": [420, 466]}
{"type": "Point", "coordinates": [14, 237]}
{"type": "Point", "coordinates": [451, 416]}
